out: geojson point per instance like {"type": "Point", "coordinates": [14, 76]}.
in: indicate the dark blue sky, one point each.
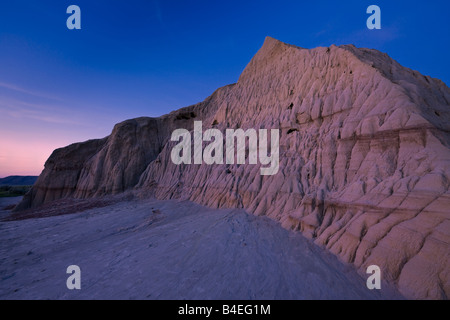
{"type": "Point", "coordinates": [147, 58]}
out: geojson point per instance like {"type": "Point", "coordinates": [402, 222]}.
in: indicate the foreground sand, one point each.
{"type": "Point", "coordinates": [6, 204]}
{"type": "Point", "coordinates": [149, 249]}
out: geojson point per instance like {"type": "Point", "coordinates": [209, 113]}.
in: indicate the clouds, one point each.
{"type": "Point", "coordinates": [33, 124]}
{"type": "Point", "coordinates": [16, 88]}
{"type": "Point", "coordinates": [158, 12]}
{"type": "Point", "coordinates": [374, 38]}
{"type": "Point", "coordinates": [19, 103]}
{"type": "Point", "coordinates": [18, 109]}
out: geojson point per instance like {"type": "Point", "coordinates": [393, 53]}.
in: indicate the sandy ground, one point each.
{"type": "Point", "coordinates": [170, 250]}
{"type": "Point", "coordinates": [7, 202]}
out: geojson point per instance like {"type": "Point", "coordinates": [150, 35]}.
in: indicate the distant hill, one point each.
{"type": "Point", "coordinates": [18, 181]}
{"type": "Point", "coordinates": [363, 159]}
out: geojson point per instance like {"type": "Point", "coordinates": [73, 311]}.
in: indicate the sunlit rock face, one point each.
{"type": "Point", "coordinates": [364, 159]}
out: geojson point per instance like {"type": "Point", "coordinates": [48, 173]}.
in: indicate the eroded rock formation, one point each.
{"type": "Point", "coordinates": [364, 159]}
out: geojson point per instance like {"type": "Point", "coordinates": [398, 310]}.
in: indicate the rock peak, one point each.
{"type": "Point", "coordinates": [267, 55]}
{"type": "Point", "coordinates": [270, 41]}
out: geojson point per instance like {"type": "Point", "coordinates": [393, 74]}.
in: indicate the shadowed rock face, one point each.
{"type": "Point", "coordinates": [364, 159]}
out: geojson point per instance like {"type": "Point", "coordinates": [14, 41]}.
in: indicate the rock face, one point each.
{"type": "Point", "coordinates": [364, 159]}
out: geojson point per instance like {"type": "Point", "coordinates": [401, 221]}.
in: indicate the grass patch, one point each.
{"type": "Point", "coordinates": [13, 191]}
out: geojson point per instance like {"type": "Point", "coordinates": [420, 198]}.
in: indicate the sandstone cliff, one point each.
{"type": "Point", "coordinates": [364, 159]}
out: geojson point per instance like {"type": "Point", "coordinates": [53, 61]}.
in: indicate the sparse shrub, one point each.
{"type": "Point", "coordinates": [13, 191]}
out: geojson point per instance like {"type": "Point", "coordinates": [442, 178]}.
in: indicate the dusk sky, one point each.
{"type": "Point", "coordinates": [147, 58]}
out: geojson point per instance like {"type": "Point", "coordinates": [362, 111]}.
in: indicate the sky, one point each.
{"type": "Point", "coordinates": [147, 58]}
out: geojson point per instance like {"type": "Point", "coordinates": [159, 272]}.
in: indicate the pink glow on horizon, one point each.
{"type": "Point", "coordinates": [23, 157]}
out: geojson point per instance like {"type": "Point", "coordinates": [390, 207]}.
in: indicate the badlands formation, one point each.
{"type": "Point", "coordinates": [364, 159]}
